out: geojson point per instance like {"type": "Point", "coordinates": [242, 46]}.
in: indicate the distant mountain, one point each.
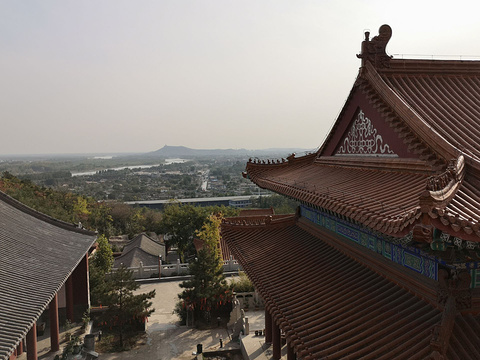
{"type": "Point", "coordinates": [182, 152]}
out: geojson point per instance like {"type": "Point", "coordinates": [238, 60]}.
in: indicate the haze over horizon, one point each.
{"type": "Point", "coordinates": [129, 77]}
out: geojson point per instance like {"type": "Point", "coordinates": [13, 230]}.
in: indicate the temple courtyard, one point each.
{"type": "Point", "coordinates": [167, 340]}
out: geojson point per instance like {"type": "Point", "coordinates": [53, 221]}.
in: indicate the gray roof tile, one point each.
{"type": "Point", "coordinates": [37, 255]}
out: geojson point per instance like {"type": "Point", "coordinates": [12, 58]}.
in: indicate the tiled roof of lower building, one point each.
{"type": "Point", "coordinates": [332, 306]}
{"type": "Point", "coordinates": [134, 257]}
{"type": "Point", "coordinates": [37, 255]}
{"type": "Point", "coordinates": [146, 243]}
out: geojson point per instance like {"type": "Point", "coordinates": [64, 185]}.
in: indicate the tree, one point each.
{"type": "Point", "coordinates": [126, 219]}
{"type": "Point", "coordinates": [100, 265]}
{"type": "Point", "coordinates": [126, 312]}
{"type": "Point", "coordinates": [206, 294]}
{"type": "Point", "coordinates": [101, 219]}
{"type": "Point", "coordinates": [103, 257]}
{"type": "Point", "coordinates": [152, 220]}
{"type": "Point", "coordinates": [281, 204]}
{"type": "Point", "coordinates": [181, 222]}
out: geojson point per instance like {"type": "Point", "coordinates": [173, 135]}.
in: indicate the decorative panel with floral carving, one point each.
{"type": "Point", "coordinates": [364, 139]}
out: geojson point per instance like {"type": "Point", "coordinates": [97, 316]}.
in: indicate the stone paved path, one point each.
{"type": "Point", "coordinates": [166, 340]}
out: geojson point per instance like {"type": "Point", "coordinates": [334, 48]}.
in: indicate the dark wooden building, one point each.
{"type": "Point", "coordinates": [39, 257]}
{"type": "Point", "coordinates": [381, 260]}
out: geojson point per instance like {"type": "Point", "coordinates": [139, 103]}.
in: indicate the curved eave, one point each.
{"type": "Point", "coordinates": [461, 217]}
{"type": "Point", "coordinates": [455, 207]}
{"type": "Point", "coordinates": [386, 201]}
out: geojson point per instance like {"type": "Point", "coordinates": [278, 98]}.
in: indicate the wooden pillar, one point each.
{"type": "Point", "coordinates": [20, 348]}
{"type": "Point", "coordinates": [268, 327]}
{"type": "Point", "coordinates": [69, 298]}
{"type": "Point", "coordinates": [290, 352]}
{"type": "Point", "coordinates": [276, 341]}
{"type": "Point", "coordinates": [32, 343]}
{"type": "Point", "coordinates": [54, 328]}
{"type": "Point", "coordinates": [13, 355]}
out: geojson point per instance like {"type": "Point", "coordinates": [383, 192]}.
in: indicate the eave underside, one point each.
{"type": "Point", "coordinates": [329, 305]}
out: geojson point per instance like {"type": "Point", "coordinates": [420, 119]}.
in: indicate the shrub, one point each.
{"type": "Point", "coordinates": [242, 284]}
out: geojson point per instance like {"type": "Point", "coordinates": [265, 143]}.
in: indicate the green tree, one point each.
{"type": "Point", "coordinates": [80, 209]}
{"type": "Point", "coordinates": [103, 257]}
{"type": "Point", "coordinates": [181, 222]}
{"type": "Point", "coordinates": [242, 284]}
{"type": "Point", "coordinates": [101, 219]}
{"type": "Point", "coordinates": [126, 219]}
{"type": "Point", "coordinates": [126, 312]}
{"type": "Point", "coordinates": [152, 220]}
{"type": "Point", "coordinates": [100, 264]}
{"type": "Point", "coordinates": [281, 204]}
{"type": "Point", "coordinates": [206, 294]}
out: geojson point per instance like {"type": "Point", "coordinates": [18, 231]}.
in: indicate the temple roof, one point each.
{"type": "Point", "coordinates": [382, 199]}
{"type": "Point", "coordinates": [134, 256]}
{"type": "Point", "coordinates": [146, 243]}
{"type": "Point", "coordinates": [37, 255]}
{"type": "Point", "coordinates": [332, 305]}
{"type": "Point", "coordinates": [142, 248]}
{"type": "Point", "coordinates": [404, 145]}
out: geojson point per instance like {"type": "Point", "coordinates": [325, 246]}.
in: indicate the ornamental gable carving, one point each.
{"type": "Point", "coordinates": [363, 139]}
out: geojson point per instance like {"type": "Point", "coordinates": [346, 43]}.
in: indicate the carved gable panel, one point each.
{"type": "Point", "coordinates": [363, 139]}
{"type": "Point", "coordinates": [362, 130]}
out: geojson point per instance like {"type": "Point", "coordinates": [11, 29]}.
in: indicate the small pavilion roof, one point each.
{"type": "Point", "coordinates": [37, 255]}
{"type": "Point", "coordinates": [330, 304]}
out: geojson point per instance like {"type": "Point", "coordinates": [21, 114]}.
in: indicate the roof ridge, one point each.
{"type": "Point", "coordinates": [260, 220]}
{"type": "Point", "coordinates": [41, 216]}
{"type": "Point", "coordinates": [132, 249]}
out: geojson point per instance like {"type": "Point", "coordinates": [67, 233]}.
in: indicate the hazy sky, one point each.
{"type": "Point", "coordinates": [132, 76]}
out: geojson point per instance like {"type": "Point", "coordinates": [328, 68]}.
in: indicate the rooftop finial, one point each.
{"type": "Point", "coordinates": [375, 50]}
